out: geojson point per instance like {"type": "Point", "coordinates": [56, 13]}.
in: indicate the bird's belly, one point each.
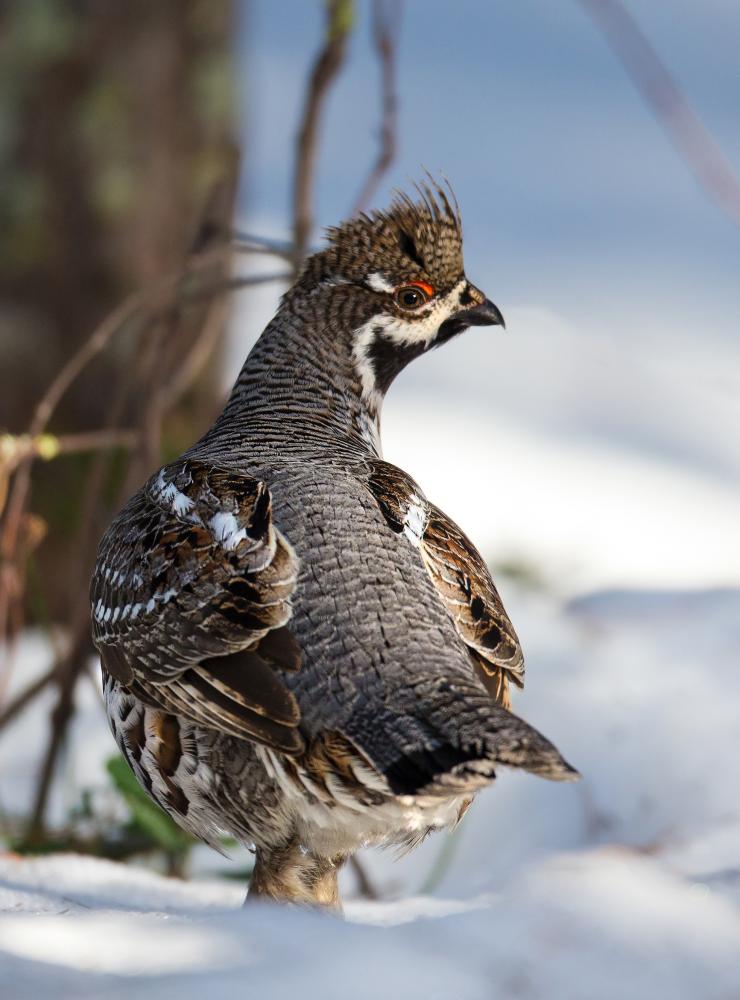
{"type": "Point", "coordinates": [332, 823]}
{"type": "Point", "coordinates": [261, 797]}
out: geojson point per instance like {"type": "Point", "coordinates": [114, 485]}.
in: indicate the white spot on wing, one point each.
{"type": "Point", "coordinates": [227, 530]}
{"type": "Point", "coordinates": [169, 494]}
{"type": "Point", "coordinates": [415, 521]}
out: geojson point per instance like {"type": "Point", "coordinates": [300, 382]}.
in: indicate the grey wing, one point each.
{"type": "Point", "coordinates": [458, 728]}
{"type": "Point", "coordinates": [191, 599]}
{"type": "Point", "coordinates": [460, 577]}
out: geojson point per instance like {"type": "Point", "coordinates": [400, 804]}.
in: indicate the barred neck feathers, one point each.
{"type": "Point", "coordinates": [388, 287]}
{"type": "Point", "coordinates": [299, 389]}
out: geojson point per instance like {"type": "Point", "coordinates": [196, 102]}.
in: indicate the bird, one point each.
{"type": "Point", "coordinates": [298, 648]}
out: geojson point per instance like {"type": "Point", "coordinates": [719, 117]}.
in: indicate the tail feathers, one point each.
{"type": "Point", "coordinates": [464, 715]}
{"type": "Point", "coordinates": [511, 741]}
{"type": "Point", "coordinates": [459, 742]}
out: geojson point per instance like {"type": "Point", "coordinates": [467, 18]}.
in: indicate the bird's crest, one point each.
{"type": "Point", "coordinates": [413, 239]}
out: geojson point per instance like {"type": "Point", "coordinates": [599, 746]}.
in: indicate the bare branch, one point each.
{"type": "Point", "coordinates": [247, 280]}
{"type": "Point", "coordinates": [386, 27]}
{"type": "Point", "coordinates": [329, 61]}
{"type": "Point", "coordinates": [661, 93]}
{"type": "Point", "coordinates": [15, 448]}
{"type": "Point", "coordinates": [366, 888]}
{"type": "Point", "coordinates": [249, 243]}
{"type": "Point", "coordinates": [155, 296]}
{"type": "Point", "coordinates": [196, 358]}
{"type": "Point", "coordinates": [26, 697]}
{"type": "Point", "coordinates": [212, 329]}
{"type": "Point", "coordinates": [66, 673]}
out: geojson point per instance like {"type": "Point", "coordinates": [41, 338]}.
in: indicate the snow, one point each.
{"type": "Point", "coordinates": [601, 923]}
{"type": "Point", "coordinates": [627, 884]}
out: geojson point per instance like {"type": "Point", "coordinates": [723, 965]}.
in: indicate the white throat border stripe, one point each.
{"type": "Point", "coordinates": [421, 328]}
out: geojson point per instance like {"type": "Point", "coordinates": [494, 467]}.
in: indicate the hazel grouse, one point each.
{"type": "Point", "coordinates": [298, 647]}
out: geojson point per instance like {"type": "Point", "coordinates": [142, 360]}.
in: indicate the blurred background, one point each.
{"type": "Point", "coordinates": [165, 167]}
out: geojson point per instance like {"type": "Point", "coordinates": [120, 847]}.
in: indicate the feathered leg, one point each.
{"type": "Point", "coordinates": [290, 874]}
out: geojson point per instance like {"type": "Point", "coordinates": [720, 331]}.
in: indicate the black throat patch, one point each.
{"type": "Point", "coordinates": [389, 359]}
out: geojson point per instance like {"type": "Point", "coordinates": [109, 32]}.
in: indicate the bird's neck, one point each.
{"type": "Point", "coordinates": [299, 394]}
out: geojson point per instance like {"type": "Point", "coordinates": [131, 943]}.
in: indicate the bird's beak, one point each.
{"type": "Point", "coordinates": [486, 314]}
{"type": "Point", "coordinates": [483, 314]}
{"type": "Point", "coordinates": [479, 312]}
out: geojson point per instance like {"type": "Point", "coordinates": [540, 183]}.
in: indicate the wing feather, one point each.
{"type": "Point", "coordinates": [191, 603]}
{"type": "Point", "coordinates": [459, 575]}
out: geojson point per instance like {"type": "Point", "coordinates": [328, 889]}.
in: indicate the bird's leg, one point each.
{"type": "Point", "coordinates": [291, 874]}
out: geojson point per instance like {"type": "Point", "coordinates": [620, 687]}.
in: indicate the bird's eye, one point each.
{"type": "Point", "coordinates": [413, 296]}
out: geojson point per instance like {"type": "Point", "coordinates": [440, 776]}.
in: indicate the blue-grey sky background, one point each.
{"type": "Point", "coordinates": [619, 376]}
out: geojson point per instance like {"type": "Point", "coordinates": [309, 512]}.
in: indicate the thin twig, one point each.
{"type": "Point", "coordinates": [115, 321]}
{"type": "Point", "coordinates": [695, 144]}
{"type": "Point", "coordinates": [249, 243]}
{"type": "Point", "coordinates": [329, 61]}
{"type": "Point", "coordinates": [365, 886]}
{"type": "Point", "coordinates": [386, 27]}
{"type": "Point", "coordinates": [236, 282]}
{"type": "Point", "coordinates": [212, 329]}
{"type": "Point", "coordinates": [196, 358]}
{"type": "Point", "coordinates": [15, 448]}
{"type": "Point", "coordinates": [26, 696]}
{"type": "Point", "coordinates": [66, 675]}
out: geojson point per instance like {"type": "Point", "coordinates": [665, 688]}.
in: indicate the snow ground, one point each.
{"type": "Point", "coordinates": [626, 884]}
{"type": "Point", "coordinates": [599, 924]}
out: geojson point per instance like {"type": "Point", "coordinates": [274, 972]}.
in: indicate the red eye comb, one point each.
{"type": "Point", "coordinates": [426, 288]}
